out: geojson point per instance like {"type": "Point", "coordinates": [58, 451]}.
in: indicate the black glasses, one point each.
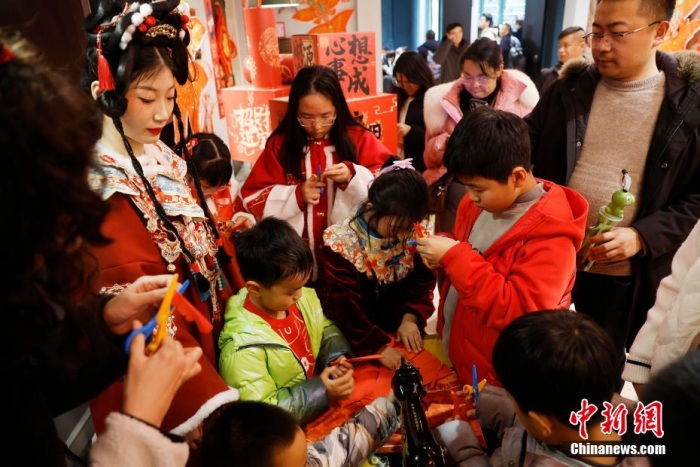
{"type": "Point", "coordinates": [593, 40]}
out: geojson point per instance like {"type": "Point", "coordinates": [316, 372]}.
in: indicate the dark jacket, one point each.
{"type": "Point", "coordinates": [428, 45]}
{"type": "Point", "coordinates": [367, 312]}
{"type": "Point", "coordinates": [53, 361]}
{"type": "Point", "coordinates": [447, 56]}
{"type": "Point", "coordinates": [512, 51]}
{"type": "Point", "coordinates": [669, 198]}
{"type": "Point", "coordinates": [414, 141]}
{"type": "Point", "coordinates": [548, 77]}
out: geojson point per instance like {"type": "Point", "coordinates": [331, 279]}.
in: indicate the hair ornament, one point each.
{"type": "Point", "coordinates": [184, 8]}
{"type": "Point", "coordinates": [142, 19]}
{"type": "Point", "coordinates": [6, 55]}
{"type": "Point", "coordinates": [146, 9]}
{"type": "Point", "coordinates": [161, 30]}
{"type": "Point", "coordinates": [191, 144]}
{"type": "Point", "coordinates": [402, 164]}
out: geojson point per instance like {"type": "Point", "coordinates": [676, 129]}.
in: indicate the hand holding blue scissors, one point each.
{"type": "Point", "coordinates": [147, 329]}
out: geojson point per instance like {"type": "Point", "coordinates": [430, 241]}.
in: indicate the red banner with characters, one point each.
{"type": "Point", "coordinates": [351, 55]}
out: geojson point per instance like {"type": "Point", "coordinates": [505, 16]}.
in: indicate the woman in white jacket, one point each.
{"type": "Point", "coordinates": [672, 327]}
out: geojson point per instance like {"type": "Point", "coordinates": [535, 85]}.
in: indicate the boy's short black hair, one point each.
{"type": "Point", "coordinates": [550, 360]}
{"type": "Point", "coordinates": [271, 252]}
{"type": "Point", "coordinates": [488, 17]}
{"type": "Point", "coordinates": [247, 434]}
{"type": "Point", "coordinates": [488, 143]}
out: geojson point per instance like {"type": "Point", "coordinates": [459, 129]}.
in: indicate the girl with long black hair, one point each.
{"type": "Point", "coordinates": [317, 163]}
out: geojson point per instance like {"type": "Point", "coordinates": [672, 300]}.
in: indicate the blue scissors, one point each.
{"type": "Point", "coordinates": [147, 329]}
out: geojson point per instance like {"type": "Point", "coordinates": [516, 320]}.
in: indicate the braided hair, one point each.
{"type": "Point", "coordinates": [194, 173]}
{"type": "Point", "coordinates": [136, 40]}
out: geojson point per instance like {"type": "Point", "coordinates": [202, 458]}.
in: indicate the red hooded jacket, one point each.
{"type": "Point", "coordinates": [530, 267]}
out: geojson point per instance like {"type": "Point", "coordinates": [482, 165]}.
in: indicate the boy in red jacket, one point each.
{"type": "Point", "coordinates": [515, 240]}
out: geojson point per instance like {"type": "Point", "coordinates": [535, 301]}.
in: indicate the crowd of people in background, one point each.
{"type": "Point", "coordinates": [333, 248]}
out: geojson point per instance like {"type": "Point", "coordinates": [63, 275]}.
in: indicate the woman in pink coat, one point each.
{"type": "Point", "coordinates": [484, 81]}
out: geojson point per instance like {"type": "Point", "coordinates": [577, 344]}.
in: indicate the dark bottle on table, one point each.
{"type": "Point", "coordinates": [419, 447]}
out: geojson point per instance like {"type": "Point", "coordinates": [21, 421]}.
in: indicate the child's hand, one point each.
{"type": "Point", "coordinates": [433, 248]}
{"type": "Point", "coordinates": [392, 358]}
{"type": "Point", "coordinates": [240, 224]}
{"type": "Point", "coordinates": [409, 333]}
{"type": "Point", "coordinates": [340, 387]}
{"type": "Point", "coordinates": [311, 190]}
{"type": "Point", "coordinates": [342, 367]}
{"type": "Point", "coordinates": [339, 173]}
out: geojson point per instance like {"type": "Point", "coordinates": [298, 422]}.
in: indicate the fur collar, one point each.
{"type": "Point", "coordinates": [574, 67]}
{"type": "Point", "coordinates": [433, 113]}
{"type": "Point", "coordinates": [688, 66]}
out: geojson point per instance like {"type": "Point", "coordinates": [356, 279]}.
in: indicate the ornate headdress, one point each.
{"type": "Point", "coordinates": [152, 20]}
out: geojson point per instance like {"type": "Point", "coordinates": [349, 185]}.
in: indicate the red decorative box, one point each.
{"type": "Point", "coordinates": [378, 113]}
{"type": "Point", "coordinates": [248, 123]}
{"type": "Point", "coordinates": [350, 54]}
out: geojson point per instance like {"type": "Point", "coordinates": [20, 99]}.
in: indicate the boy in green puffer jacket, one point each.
{"type": "Point", "coordinates": [276, 345]}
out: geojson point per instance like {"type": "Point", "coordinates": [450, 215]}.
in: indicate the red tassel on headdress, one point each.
{"type": "Point", "coordinates": [6, 55]}
{"type": "Point", "coordinates": [104, 74]}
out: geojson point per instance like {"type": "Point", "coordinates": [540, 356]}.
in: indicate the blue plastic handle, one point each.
{"type": "Point", "coordinates": [147, 329]}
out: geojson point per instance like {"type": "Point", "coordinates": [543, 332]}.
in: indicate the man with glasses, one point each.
{"type": "Point", "coordinates": [636, 109]}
